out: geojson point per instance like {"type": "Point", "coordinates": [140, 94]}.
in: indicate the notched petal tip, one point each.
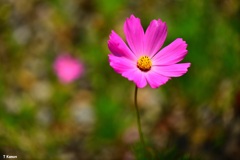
{"type": "Point", "coordinates": [174, 70]}
{"type": "Point", "coordinates": [113, 33]}
{"type": "Point", "coordinates": [134, 34]}
{"type": "Point", "coordinates": [155, 36]}
{"type": "Point", "coordinates": [172, 53]}
{"type": "Point", "coordinates": [187, 65]}
{"type": "Point", "coordinates": [160, 22]}
{"type": "Point", "coordinates": [133, 17]}
{"type": "Point", "coordinates": [180, 41]}
{"type": "Point", "coordinates": [113, 36]}
{"type": "Point", "coordinates": [118, 47]}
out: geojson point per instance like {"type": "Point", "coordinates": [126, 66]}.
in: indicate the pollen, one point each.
{"type": "Point", "coordinates": [144, 63]}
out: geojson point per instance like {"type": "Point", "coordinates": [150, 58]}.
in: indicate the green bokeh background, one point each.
{"type": "Point", "coordinates": [195, 116]}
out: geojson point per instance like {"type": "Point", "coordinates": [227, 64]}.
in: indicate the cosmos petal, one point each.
{"type": "Point", "coordinates": [155, 79]}
{"type": "Point", "coordinates": [136, 76]}
{"type": "Point", "coordinates": [171, 54]}
{"type": "Point", "coordinates": [120, 64]}
{"type": "Point", "coordinates": [174, 70]}
{"type": "Point", "coordinates": [118, 47]}
{"type": "Point", "coordinates": [134, 34]}
{"type": "Point", "coordinates": [155, 36]}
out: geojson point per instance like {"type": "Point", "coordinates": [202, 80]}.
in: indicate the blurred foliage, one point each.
{"type": "Point", "coordinates": [192, 117]}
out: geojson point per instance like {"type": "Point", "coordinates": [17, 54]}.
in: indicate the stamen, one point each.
{"type": "Point", "coordinates": [144, 63]}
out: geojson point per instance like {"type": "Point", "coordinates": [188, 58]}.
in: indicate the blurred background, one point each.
{"type": "Point", "coordinates": [195, 116]}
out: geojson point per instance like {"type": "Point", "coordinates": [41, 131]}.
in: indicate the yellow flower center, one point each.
{"type": "Point", "coordinates": [144, 63]}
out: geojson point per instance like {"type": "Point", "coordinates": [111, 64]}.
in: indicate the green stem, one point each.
{"type": "Point", "coordinates": [138, 117]}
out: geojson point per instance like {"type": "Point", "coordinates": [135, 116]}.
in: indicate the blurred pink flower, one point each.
{"type": "Point", "coordinates": [67, 68]}
{"type": "Point", "coordinates": [142, 61]}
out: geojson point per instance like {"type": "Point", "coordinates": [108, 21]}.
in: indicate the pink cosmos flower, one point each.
{"type": "Point", "coordinates": [67, 68]}
{"type": "Point", "coordinates": [142, 61]}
